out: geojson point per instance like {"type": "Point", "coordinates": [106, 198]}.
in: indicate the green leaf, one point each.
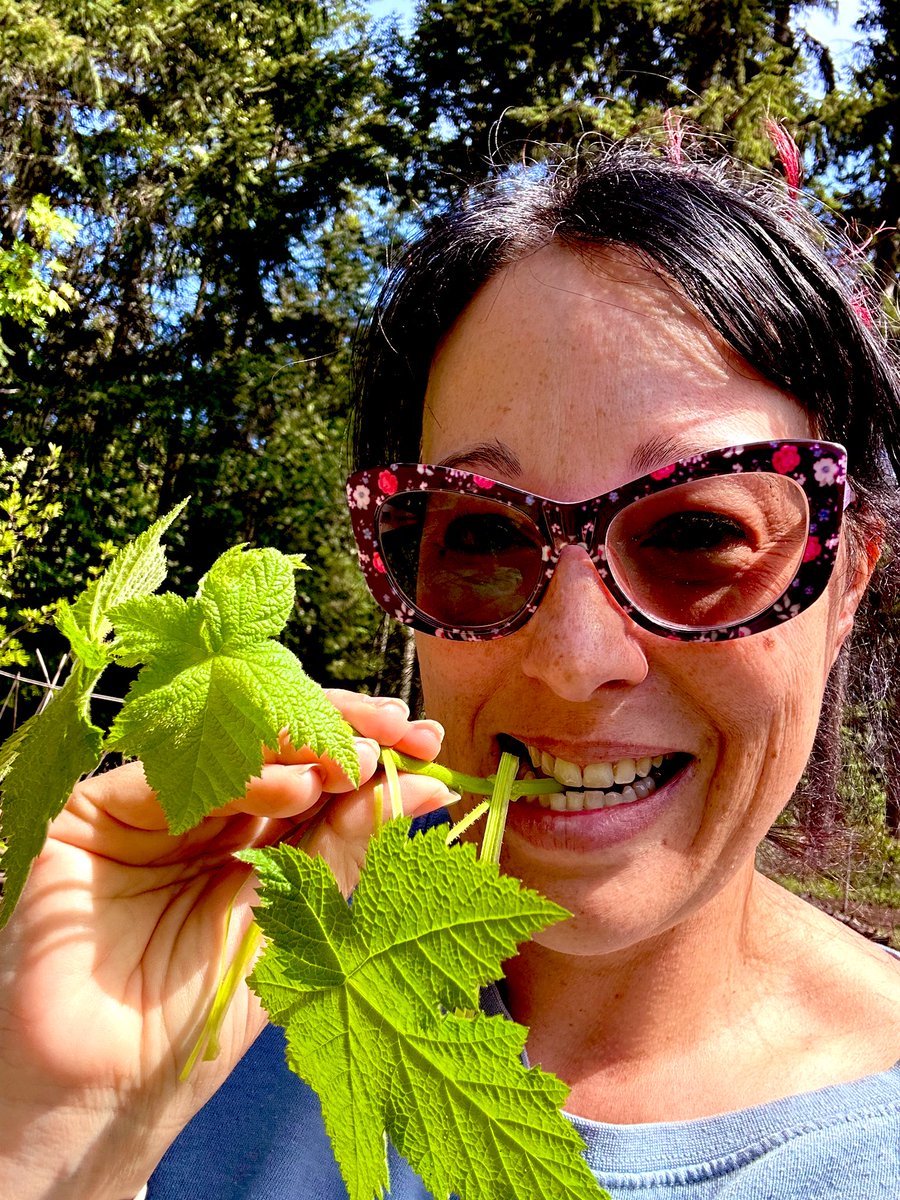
{"type": "Point", "coordinates": [42, 762]}
{"type": "Point", "coordinates": [370, 996]}
{"type": "Point", "coordinates": [216, 687]}
{"type": "Point", "coordinates": [10, 749]}
{"type": "Point", "coordinates": [94, 655]}
{"type": "Point", "coordinates": [247, 596]}
{"type": "Point", "coordinates": [138, 569]}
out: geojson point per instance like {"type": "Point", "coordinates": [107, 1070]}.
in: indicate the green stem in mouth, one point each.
{"type": "Point", "coordinates": [473, 784]}
{"type": "Point", "coordinates": [455, 780]}
{"type": "Point", "coordinates": [499, 807]}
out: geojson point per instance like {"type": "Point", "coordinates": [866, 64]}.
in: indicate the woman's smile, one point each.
{"type": "Point", "coordinates": [583, 819]}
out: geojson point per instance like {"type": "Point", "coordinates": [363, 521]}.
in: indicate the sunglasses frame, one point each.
{"type": "Point", "coordinates": [818, 467]}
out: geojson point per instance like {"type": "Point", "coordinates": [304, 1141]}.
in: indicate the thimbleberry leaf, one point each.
{"type": "Point", "coordinates": [373, 998]}
{"type": "Point", "coordinates": [215, 687]}
{"type": "Point", "coordinates": [50, 753]}
{"type": "Point", "coordinates": [138, 569]}
{"type": "Point", "coordinates": [44, 759]}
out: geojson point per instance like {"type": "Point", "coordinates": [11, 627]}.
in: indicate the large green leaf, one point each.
{"type": "Point", "coordinates": [216, 687]}
{"type": "Point", "coordinates": [374, 1000]}
{"type": "Point", "coordinates": [49, 754]}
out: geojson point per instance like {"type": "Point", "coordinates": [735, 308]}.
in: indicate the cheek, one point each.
{"type": "Point", "coordinates": [457, 679]}
{"type": "Point", "coordinates": [764, 704]}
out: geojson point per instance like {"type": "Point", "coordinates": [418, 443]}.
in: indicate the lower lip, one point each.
{"type": "Point", "coordinates": [595, 829]}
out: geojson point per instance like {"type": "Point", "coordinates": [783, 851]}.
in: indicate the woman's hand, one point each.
{"type": "Point", "coordinates": [112, 958]}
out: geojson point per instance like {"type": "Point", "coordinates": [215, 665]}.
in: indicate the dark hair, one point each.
{"type": "Point", "coordinates": [784, 292]}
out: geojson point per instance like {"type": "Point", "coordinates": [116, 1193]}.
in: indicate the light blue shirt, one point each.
{"type": "Point", "coordinates": [261, 1138]}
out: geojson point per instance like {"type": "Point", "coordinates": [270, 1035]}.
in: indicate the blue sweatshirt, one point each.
{"type": "Point", "coordinates": [261, 1138]}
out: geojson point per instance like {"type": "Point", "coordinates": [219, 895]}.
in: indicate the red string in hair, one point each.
{"type": "Point", "coordinates": [861, 303]}
{"type": "Point", "coordinates": [674, 135]}
{"type": "Point", "coordinates": [788, 155]}
{"type": "Point", "coordinates": [860, 306]}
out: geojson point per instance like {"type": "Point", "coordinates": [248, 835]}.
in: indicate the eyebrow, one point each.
{"type": "Point", "coordinates": [494, 455]}
{"type": "Point", "coordinates": [661, 451]}
{"type": "Point", "coordinates": [656, 451]}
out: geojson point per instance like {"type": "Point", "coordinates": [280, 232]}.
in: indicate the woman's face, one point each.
{"type": "Point", "coordinates": [568, 377]}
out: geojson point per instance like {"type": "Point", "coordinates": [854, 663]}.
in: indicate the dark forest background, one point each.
{"type": "Point", "coordinates": [198, 197]}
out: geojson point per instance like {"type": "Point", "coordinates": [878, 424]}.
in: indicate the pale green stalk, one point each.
{"type": "Point", "coordinates": [499, 807]}
{"type": "Point", "coordinates": [393, 782]}
{"type": "Point", "coordinates": [467, 821]}
{"type": "Point", "coordinates": [378, 794]}
{"type": "Point", "coordinates": [455, 780]}
{"type": "Point", "coordinates": [475, 785]}
{"type": "Point", "coordinates": [501, 788]}
{"type": "Point", "coordinates": [207, 1043]}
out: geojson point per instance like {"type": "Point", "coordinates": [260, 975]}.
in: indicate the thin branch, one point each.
{"type": "Point", "coordinates": [55, 687]}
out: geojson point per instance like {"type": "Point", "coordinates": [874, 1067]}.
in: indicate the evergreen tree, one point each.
{"type": "Point", "coordinates": [223, 164]}
{"type": "Point", "coordinates": [865, 120]}
{"type": "Point", "coordinates": [481, 75]}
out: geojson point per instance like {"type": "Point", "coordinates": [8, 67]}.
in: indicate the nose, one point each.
{"type": "Point", "coordinates": [579, 639]}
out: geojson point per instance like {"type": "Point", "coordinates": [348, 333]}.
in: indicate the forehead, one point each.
{"type": "Point", "coordinates": [582, 363]}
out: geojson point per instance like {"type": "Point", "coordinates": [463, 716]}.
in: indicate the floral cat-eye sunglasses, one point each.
{"type": "Point", "coordinates": [718, 545]}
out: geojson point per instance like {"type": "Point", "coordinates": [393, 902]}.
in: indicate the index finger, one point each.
{"type": "Point", "coordinates": [387, 720]}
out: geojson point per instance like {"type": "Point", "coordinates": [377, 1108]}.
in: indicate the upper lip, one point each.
{"type": "Point", "coordinates": [582, 753]}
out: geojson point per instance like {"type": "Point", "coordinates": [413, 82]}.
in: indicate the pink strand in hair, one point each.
{"type": "Point", "coordinates": [861, 303]}
{"type": "Point", "coordinates": [674, 136]}
{"type": "Point", "coordinates": [860, 306]}
{"type": "Point", "coordinates": [788, 155]}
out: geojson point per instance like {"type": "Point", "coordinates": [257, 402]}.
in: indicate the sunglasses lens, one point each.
{"type": "Point", "coordinates": [710, 552]}
{"type": "Point", "coordinates": [462, 560]}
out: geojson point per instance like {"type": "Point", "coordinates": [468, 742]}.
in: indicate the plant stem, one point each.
{"type": "Point", "coordinates": [467, 821]}
{"type": "Point", "coordinates": [378, 815]}
{"type": "Point", "coordinates": [475, 785]}
{"type": "Point", "coordinates": [499, 806]}
{"type": "Point", "coordinates": [393, 782]}
{"type": "Point", "coordinates": [501, 788]}
{"type": "Point", "coordinates": [207, 1043]}
{"type": "Point", "coordinates": [456, 780]}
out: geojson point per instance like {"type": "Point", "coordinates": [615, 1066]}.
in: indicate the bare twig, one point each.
{"type": "Point", "coordinates": [54, 687]}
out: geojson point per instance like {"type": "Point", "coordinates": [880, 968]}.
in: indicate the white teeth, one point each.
{"type": "Point", "coordinates": [598, 775]}
{"type": "Point", "coordinates": [626, 796]}
{"type": "Point", "coordinates": [567, 773]}
{"type": "Point", "coordinates": [596, 780]}
{"type": "Point", "coordinates": [623, 771]}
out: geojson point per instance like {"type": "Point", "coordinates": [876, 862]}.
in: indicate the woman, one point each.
{"type": "Point", "coordinates": [661, 647]}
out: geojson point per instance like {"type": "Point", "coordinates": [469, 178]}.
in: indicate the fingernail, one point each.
{"type": "Point", "coordinates": [374, 746]}
{"type": "Point", "coordinates": [454, 796]}
{"type": "Point", "coordinates": [392, 702]}
{"type": "Point", "coordinates": [435, 726]}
